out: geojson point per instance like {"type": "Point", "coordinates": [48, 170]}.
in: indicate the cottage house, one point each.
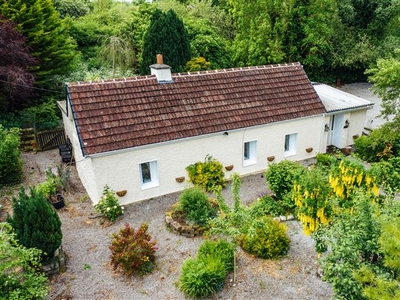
{"type": "Point", "coordinates": [139, 134]}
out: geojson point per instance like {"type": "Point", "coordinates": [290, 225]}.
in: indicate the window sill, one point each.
{"type": "Point", "coordinates": [249, 163]}
{"type": "Point", "coordinates": [149, 185]}
{"type": "Point", "coordinates": [287, 154]}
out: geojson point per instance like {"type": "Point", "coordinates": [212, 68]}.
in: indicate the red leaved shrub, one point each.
{"type": "Point", "coordinates": [133, 251]}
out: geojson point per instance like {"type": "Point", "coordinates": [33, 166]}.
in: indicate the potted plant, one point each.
{"type": "Point", "coordinates": [51, 189]}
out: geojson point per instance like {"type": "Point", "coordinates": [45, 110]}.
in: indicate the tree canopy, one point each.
{"type": "Point", "coordinates": [386, 78]}
{"type": "Point", "coordinates": [166, 35]}
{"type": "Point", "coordinates": [46, 36]}
{"type": "Point", "coordinates": [16, 80]}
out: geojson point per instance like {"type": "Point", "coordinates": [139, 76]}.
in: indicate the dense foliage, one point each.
{"type": "Point", "coordinates": [266, 238]}
{"type": "Point", "coordinates": [205, 274]}
{"type": "Point", "coordinates": [76, 40]}
{"type": "Point", "coordinates": [16, 79]}
{"type": "Point", "coordinates": [250, 226]}
{"type": "Point", "coordinates": [196, 206]}
{"type": "Point", "coordinates": [133, 251]}
{"type": "Point", "coordinates": [10, 156]}
{"type": "Point", "coordinates": [208, 174]}
{"type": "Point", "coordinates": [168, 36]}
{"type": "Point", "coordinates": [20, 277]}
{"type": "Point", "coordinates": [35, 222]}
{"type": "Point", "coordinates": [381, 144]}
{"type": "Point", "coordinates": [281, 176]}
{"type": "Point", "coordinates": [46, 36]}
{"type": "Point", "coordinates": [311, 194]}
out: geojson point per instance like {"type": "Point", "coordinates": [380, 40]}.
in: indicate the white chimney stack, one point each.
{"type": "Point", "coordinates": [162, 71]}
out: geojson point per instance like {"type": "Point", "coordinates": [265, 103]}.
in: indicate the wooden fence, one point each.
{"type": "Point", "coordinates": [32, 140]}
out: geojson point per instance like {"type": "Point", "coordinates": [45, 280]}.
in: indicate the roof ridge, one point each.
{"type": "Point", "coordinates": [184, 74]}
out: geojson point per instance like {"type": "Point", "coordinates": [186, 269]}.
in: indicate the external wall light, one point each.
{"type": "Point", "coordinates": [326, 127]}
{"type": "Point", "coordinates": [226, 133]}
{"type": "Point", "coordinates": [346, 124]}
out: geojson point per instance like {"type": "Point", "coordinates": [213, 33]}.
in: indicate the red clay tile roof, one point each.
{"type": "Point", "coordinates": [117, 114]}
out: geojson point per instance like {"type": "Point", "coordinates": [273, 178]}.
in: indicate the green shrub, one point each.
{"type": "Point", "coordinates": [220, 249]}
{"type": "Point", "coordinates": [381, 144]}
{"type": "Point", "coordinates": [196, 205]}
{"type": "Point", "coordinates": [208, 174]}
{"type": "Point", "coordinates": [41, 117]}
{"type": "Point", "coordinates": [19, 276]}
{"type": "Point", "coordinates": [197, 64]}
{"type": "Point", "coordinates": [51, 186]}
{"type": "Point", "coordinates": [203, 276]}
{"type": "Point", "coordinates": [133, 251]}
{"type": "Point", "coordinates": [108, 206]}
{"type": "Point", "coordinates": [266, 238]}
{"type": "Point", "coordinates": [266, 205]}
{"type": "Point", "coordinates": [11, 166]}
{"type": "Point", "coordinates": [281, 176]}
{"type": "Point", "coordinates": [35, 222]}
{"type": "Point", "coordinates": [326, 161]}
{"type": "Point", "coordinates": [387, 174]}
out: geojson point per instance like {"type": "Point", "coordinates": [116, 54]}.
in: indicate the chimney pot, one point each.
{"type": "Point", "coordinates": [162, 72]}
{"type": "Point", "coordinates": [159, 59]}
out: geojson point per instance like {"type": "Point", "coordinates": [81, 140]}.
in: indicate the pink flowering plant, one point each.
{"type": "Point", "coordinates": [108, 205]}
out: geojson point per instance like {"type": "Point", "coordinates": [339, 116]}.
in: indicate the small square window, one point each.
{"type": "Point", "coordinates": [250, 153]}
{"type": "Point", "coordinates": [148, 174]}
{"type": "Point", "coordinates": [290, 144]}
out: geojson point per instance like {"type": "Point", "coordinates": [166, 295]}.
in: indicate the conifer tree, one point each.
{"type": "Point", "coordinates": [166, 35]}
{"type": "Point", "coordinates": [35, 222]}
{"type": "Point", "coordinates": [46, 36]}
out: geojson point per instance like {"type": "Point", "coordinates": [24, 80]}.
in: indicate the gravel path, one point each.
{"type": "Point", "coordinates": [86, 241]}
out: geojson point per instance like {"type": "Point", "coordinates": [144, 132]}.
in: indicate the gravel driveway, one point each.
{"type": "Point", "coordinates": [86, 241]}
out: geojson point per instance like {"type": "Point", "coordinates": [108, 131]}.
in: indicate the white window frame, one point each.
{"type": "Point", "coordinates": [249, 153]}
{"type": "Point", "coordinates": [290, 145]}
{"type": "Point", "coordinates": [154, 179]}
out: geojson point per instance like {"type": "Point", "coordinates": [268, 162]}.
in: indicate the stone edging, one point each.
{"type": "Point", "coordinates": [284, 218]}
{"type": "Point", "coordinates": [185, 230]}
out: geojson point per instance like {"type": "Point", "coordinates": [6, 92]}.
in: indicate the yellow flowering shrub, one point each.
{"type": "Point", "coordinates": [349, 176]}
{"type": "Point", "coordinates": [311, 195]}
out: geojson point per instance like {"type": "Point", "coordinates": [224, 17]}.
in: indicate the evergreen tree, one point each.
{"type": "Point", "coordinates": [46, 36]}
{"type": "Point", "coordinates": [35, 222]}
{"type": "Point", "coordinates": [168, 36]}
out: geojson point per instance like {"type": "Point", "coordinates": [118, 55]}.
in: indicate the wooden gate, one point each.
{"type": "Point", "coordinates": [32, 140]}
{"type": "Point", "coordinates": [50, 139]}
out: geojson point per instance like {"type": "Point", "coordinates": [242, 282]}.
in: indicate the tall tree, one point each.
{"type": "Point", "coordinates": [46, 36]}
{"type": "Point", "coordinates": [166, 35]}
{"type": "Point", "coordinates": [72, 8]}
{"type": "Point", "coordinates": [386, 79]}
{"type": "Point", "coordinates": [364, 33]}
{"type": "Point", "coordinates": [260, 29]}
{"type": "Point", "coordinates": [310, 33]}
{"type": "Point", "coordinates": [16, 80]}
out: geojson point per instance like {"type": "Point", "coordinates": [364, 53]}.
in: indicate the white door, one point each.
{"type": "Point", "coordinates": [336, 124]}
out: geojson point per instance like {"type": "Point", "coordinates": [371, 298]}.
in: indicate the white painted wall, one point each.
{"type": "Point", "coordinates": [357, 124]}
{"type": "Point", "coordinates": [120, 170]}
{"type": "Point", "coordinates": [356, 120]}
